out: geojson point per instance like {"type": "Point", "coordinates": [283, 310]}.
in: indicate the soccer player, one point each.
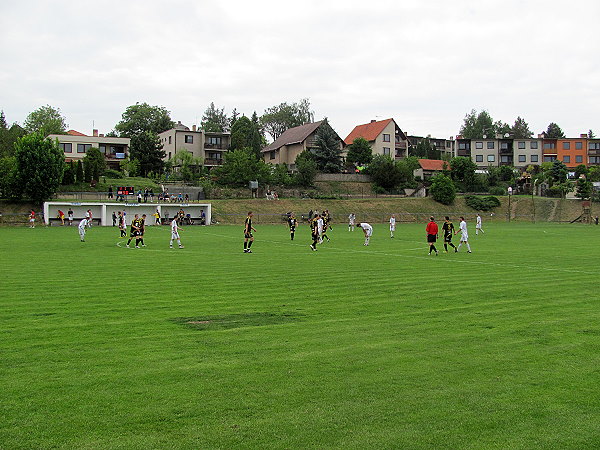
{"type": "Point", "coordinates": [89, 217]}
{"type": "Point", "coordinates": [134, 231]}
{"type": "Point", "coordinates": [175, 233]}
{"type": "Point", "coordinates": [293, 223]}
{"type": "Point", "coordinates": [314, 231]}
{"type": "Point", "coordinates": [248, 229]}
{"type": "Point", "coordinates": [432, 232]}
{"type": "Point", "coordinates": [82, 226]}
{"type": "Point", "coordinates": [122, 226]}
{"type": "Point", "coordinates": [392, 225]}
{"type": "Point", "coordinates": [320, 227]}
{"type": "Point", "coordinates": [478, 225]}
{"type": "Point", "coordinates": [142, 227]}
{"type": "Point", "coordinates": [61, 216]}
{"type": "Point", "coordinates": [326, 219]}
{"type": "Point", "coordinates": [464, 235]}
{"type": "Point", "coordinates": [32, 219]}
{"type": "Point", "coordinates": [367, 229]}
{"type": "Point", "coordinates": [70, 215]}
{"type": "Point", "coordinates": [448, 229]}
{"type": "Point", "coordinates": [351, 219]}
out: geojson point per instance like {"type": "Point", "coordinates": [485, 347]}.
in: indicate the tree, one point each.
{"type": "Point", "coordinates": [554, 132]}
{"type": "Point", "coordinates": [147, 149]}
{"type": "Point", "coordinates": [462, 168]}
{"type": "Point", "coordinates": [581, 169]}
{"type": "Point", "coordinates": [94, 164]}
{"type": "Point", "coordinates": [240, 167]}
{"type": "Point", "coordinates": [520, 130]}
{"type": "Point", "coordinates": [359, 152]}
{"type": "Point", "coordinates": [8, 138]}
{"type": "Point", "coordinates": [40, 166]}
{"type": "Point", "coordinates": [425, 149]}
{"type": "Point", "coordinates": [558, 171]}
{"type": "Point", "coordinates": [584, 188]}
{"type": "Point", "coordinates": [591, 135]}
{"type": "Point", "coordinates": [187, 164]}
{"type": "Point", "coordinates": [277, 119]}
{"type": "Point", "coordinates": [476, 125]}
{"type": "Point", "coordinates": [306, 169]}
{"type": "Point", "coordinates": [215, 119]}
{"type": "Point", "coordinates": [69, 174]}
{"type": "Point", "coordinates": [45, 120]}
{"type": "Point", "coordinates": [142, 118]}
{"type": "Point", "coordinates": [442, 189]}
{"type": "Point", "coordinates": [280, 175]}
{"type": "Point", "coordinates": [130, 167]}
{"type": "Point", "coordinates": [501, 128]}
{"type": "Point", "coordinates": [246, 134]}
{"type": "Point", "coordinates": [8, 167]}
{"type": "Point", "coordinates": [384, 172]}
{"type": "Point", "coordinates": [328, 151]}
{"type": "Point", "coordinates": [79, 175]}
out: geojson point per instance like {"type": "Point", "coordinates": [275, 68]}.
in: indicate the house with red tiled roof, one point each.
{"type": "Point", "coordinates": [385, 137]}
{"type": "Point", "coordinates": [75, 145]}
{"type": "Point", "coordinates": [431, 167]}
{"type": "Point", "coordinates": [286, 148]}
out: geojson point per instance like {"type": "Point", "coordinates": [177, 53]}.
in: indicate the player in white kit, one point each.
{"type": "Point", "coordinates": [81, 228]}
{"type": "Point", "coordinates": [392, 225]}
{"type": "Point", "coordinates": [351, 219]}
{"type": "Point", "coordinates": [367, 229]}
{"type": "Point", "coordinates": [464, 235]}
{"type": "Point", "coordinates": [320, 228]}
{"type": "Point", "coordinates": [175, 233]}
{"type": "Point", "coordinates": [478, 225]}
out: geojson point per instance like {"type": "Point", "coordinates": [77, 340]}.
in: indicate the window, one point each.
{"type": "Point", "coordinates": [490, 146]}
{"type": "Point", "coordinates": [214, 140]}
{"type": "Point", "coordinates": [67, 148]}
{"type": "Point", "coordinates": [523, 158]}
{"type": "Point", "coordinates": [448, 144]}
{"type": "Point", "coordinates": [549, 145]}
{"type": "Point", "coordinates": [478, 145]}
{"type": "Point", "coordinates": [578, 145]}
{"type": "Point", "coordinates": [464, 146]}
{"type": "Point", "coordinates": [491, 158]}
{"type": "Point", "coordinates": [386, 151]}
{"type": "Point", "coordinates": [549, 158]}
{"type": "Point", "coordinates": [534, 158]}
{"type": "Point", "coordinates": [533, 144]}
{"type": "Point", "coordinates": [478, 158]}
{"type": "Point", "coordinates": [272, 154]}
{"type": "Point", "coordinates": [169, 141]}
{"type": "Point", "coordinates": [594, 145]}
{"type": "Point", "coordinates": [83, 148]}
{"type": "Point", "coordinates": [505, 159]}
{"type": "Point", "coordinates": [189, 139]}
{"type": "Point", "coordinates": [521, 145]}
{"type": "Point", "coordinates": [566, 159]}
{"type": "Point", "coordinates": [566, 146]}
{"type": "Point", "coordinates": [102, 148]}
{"type": "Point", "coordinates": [504, 145]}
{"type": "Point", "coordinates": [386, 138]}
{"type": "Point", "coordinates": [594, 159]}
{"type": "Point", "coordinates": [578, 158]}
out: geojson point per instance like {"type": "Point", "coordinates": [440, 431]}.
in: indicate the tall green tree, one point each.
{"type": "Point", "coordinates": [476, 125]}
{"type": "Point", "coordinates": [94, 164]}
{"type": "Point", "coordinates": [554, 131]}
{"type": "Point", "coordinates": [520, 129]}
{"type": "Point", "coordinates": [328, 151]}
{"type": "Point", "coordinates": [40, 166]}
{"type": "Point", "coordinates": [442, 189]}
{"type": "Point", "coordinates": [240, 167]}
{"type": "Point", "coordinates": [306, 169]}
{"type": "Point", "coordinates": [463, 168]}
{"type": "Point", "coordinates": [215, 120]}
{"type": "Point", "coordinates": [584, 189]}
{"type": "Point", "coordinates": [45, 120]}
{"type": "Point", "coordinates": [277, 119]}
{"type": "Point", "coordinates": [8, 168]}
{"type": "Point", "coordinates": [384, 172]}
{"type": "Point", "coordinates": [142, 123]}
{"type": "Point", "coordinates": [359, 152]}
{"type": "Point", "coordinates": [188, 165]}
{"type": "Point", "coordinates": [79, 175]}
{"type": "Point", "coordinates": [425, 149]}
{"type": "Point", "coordinates": [246, 134]}
{"type": "Point", "coordinates": [559, 171]}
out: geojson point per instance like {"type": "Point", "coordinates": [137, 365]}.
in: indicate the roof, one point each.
{"type": "Point", "coordinates": [75, 133]}
{"type": "Point", "coordinates": [293, 136]}
{"type": "Point", "coordinates": [369, 131]}
{"type": "Point", "coordinates": [434, 165]}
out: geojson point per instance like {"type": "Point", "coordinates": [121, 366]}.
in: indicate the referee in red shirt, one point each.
{"type": "Point", "coordinates": [432, 233]}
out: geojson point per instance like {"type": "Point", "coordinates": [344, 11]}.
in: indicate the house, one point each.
{"type": "Point", "coordinates": [443, 146]}
{"type": "Point", "coordinates": [208, 147]}
{"type": "Point", "coordinates": [430, 167]}
{"type": "Point", "coordinates": [385, 137]}
{"type": "Point", "coordinates": [286, 148]}
{"type": "Point", "coordinates": [75, 145]}
{"type": "Point", "coordinates": [572, 151]}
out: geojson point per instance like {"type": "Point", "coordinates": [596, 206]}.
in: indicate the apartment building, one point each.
{"type": "Point", "coordinates": [385, 137]}
{"type": "Point", "coordinates": [446, 147]}
{"type": "Point", "coordinates": [208, 147]}
{"type": "Point", "coordinates": [572, 151]}
{"type": "Point", "coordinates": [75, 146]}
{"type": "Point", "coordinates": [593, 152]}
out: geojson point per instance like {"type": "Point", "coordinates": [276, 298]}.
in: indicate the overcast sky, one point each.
{"type": "Point", "coordinates": [425, 63]}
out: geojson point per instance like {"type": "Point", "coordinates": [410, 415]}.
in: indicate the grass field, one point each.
{"type": "Point", "coordinates": [347, 347]}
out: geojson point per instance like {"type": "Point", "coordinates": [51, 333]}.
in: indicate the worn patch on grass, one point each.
{"type": "Point", "coordinates": [228, 321]}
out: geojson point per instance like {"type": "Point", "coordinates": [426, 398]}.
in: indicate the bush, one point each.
{"type": "Point", "coordinates": [482, 203]}
{"type": "Point", "coordinates": [442, 189]}
{"type": "Point", "coordinates": [497, 190]}
{"type": "Point", "coordinates": [111, 173]}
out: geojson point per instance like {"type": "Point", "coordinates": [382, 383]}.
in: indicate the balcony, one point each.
{"type": "Point", "coordinates": [401, 145]}
{"type": "Point", "coordinates": [220, 146]}
{"type": "Point", "coordinates": [213, 161]}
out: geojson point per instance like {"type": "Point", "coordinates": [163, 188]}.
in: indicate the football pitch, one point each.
{"type": "Point", "coordinates": [383, 346]}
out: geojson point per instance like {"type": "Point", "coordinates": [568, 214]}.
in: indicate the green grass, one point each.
{"type": "Point", "coordinates": [348, 347]}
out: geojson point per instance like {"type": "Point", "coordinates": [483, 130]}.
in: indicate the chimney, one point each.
{"type": "Point", "coordinates": [95, 133]}
{"type": "Point", "coordinates": [101, 134]}
{"type": "Point", "coordinates": [583, 135]}
{"type": "Point", "coordinates": [193, 127]}
{"type": "Point", "coordinates": [373, 121]}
